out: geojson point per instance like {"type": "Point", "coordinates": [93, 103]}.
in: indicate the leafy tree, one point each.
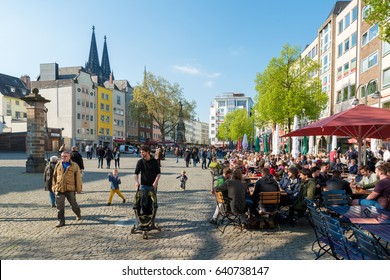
{"type": "Point", "coordinates": [380, 13]}
{"type": "Point", "coordinates": [286, 87]}
{"type": "Point", "coordinates": [235, 125]}
{"type": "Point", "coordinates": [160, 100]}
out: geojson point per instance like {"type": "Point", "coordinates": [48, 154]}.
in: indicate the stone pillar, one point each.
{"type": "Point", "coordinates": [180, 131]}
{"type": "Point", "coordinates": [35, 132]}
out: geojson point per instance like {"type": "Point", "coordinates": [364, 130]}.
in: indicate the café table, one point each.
{"type": "Point", "coordinates": [381, 231]}
{"type": "Point", "coordinates": [356, 192]}
{"type": "Point", "coordinates": [375, 221]}
{"type": "Point", "coordinates": [363, 214]}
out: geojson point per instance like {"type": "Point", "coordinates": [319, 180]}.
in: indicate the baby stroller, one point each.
{"type": "Point", "coordinates": [145, 209]}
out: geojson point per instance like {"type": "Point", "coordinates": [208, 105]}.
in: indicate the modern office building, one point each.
{"type": "Point", "coordinates": [223, 105]}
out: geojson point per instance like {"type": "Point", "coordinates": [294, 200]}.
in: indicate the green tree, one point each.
{"type": "Point", "coordinates": [160, 100]}
{"type": "Point", "coordinates": [379, 13]}
{"type": "Point", "coordinates": [286, 87]}
{"type": "Point", "coordinates": [235, 125]}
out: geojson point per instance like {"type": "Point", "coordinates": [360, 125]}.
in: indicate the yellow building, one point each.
{"type": "Point", "coordinates": [104, 116]}
{"type": "Point", "coordinates": [13, 111]}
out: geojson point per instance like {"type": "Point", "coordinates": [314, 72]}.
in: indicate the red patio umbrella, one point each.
{"type": "Point", "coordinates": [359, 122]}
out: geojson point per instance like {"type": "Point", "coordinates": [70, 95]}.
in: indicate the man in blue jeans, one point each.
{"type": "Point", "coordinates": [380, 196]}
{"type": "Point", "coordinates": [150, 171]}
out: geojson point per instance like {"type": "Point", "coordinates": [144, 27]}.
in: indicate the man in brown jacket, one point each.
{"type": "Point", "coordinates": [66, 182]}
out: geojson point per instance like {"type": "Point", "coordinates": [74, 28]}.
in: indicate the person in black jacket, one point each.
{"type": "Point", "coordinates": [76, 157]}
{"type": "Point", "coordinates": [108, 155]}
{"type": "Point", "coordinates": [291, 186]}
{"type": "Point", "coordinates": [336, 183]}
{"type": "Point", "coordinates": [100, 155]}
{"type": "Point", "coordinates": [267, 183]}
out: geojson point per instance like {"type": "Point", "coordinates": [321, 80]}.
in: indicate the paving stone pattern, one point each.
{"type": "Point", "coordinates": [28, 232]}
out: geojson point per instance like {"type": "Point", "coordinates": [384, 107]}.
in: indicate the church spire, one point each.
{"type": "Point", "coordinates": [145, 80]}
{"type": "Point", "coordinates": [93, 66]}
{"type": "Point", "coordinates": [106, 70]}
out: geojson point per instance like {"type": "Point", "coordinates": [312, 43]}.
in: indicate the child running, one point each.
{"type": "Point", "coordinates": [183, 179]}
{"type": "Point", "coordinates": [115, 181]}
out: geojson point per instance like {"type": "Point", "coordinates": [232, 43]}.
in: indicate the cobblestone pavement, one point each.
{"type": "Point", "coordinates": [28, 232]}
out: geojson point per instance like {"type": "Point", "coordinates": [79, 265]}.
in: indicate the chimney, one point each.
{"type": "Point", "coordinates": [26, 80]}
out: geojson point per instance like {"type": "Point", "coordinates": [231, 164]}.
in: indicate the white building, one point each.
{"type": "Point", "coordinates": [223, 105]}
{"type": "Point", "coordinates": [72, 105]}
{"type": "Point", "coordinates": [197, 132]}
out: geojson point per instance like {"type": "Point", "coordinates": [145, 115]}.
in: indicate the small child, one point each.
{"type": "Point", "coordinates": [183, 179]}
{"type": "Point", "coordinates": [115, 181]}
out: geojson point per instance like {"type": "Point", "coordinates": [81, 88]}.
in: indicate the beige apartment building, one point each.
{"type": "Point", "coordinates": [355, 63]}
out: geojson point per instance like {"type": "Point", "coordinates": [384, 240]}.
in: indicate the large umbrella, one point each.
{"type": "Point", "coordinates": [305, 145]}
{"type": "Point", "coordinates": [359, 122]}
{"type": "Point", "coordinates": [245, 143]}
{"type": "Point", "coordinates": [275, 143]}
{"type": "Point", "coordinates": [311, 145]}
{"type": "Point", "coordinates": [266, 148]}
{"type": "Point", "coordinates": [295, 143]}
{"type": "Point", "coordinates": [257, 144]}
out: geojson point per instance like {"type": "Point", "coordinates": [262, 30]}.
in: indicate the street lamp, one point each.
{"type": "Point", "coordinates": [375, 95]}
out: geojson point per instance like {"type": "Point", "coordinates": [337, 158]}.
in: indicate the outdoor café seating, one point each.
{"type": "Point", "coordinates": [226, 215]}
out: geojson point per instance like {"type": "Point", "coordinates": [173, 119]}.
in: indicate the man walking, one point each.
{"type": "Point", "coordinates": [76, 157]}
{"type": "Point", "coordinates": [66, 182]}
{"type": "Point", "coordinates": [150, 171]}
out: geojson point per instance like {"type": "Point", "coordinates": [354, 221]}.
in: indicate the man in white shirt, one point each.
{"type": "Point", "coordinates": [369, 178]}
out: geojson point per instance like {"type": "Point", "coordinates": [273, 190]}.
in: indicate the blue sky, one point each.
{"type": "Point", "coordinates": [207, 47]}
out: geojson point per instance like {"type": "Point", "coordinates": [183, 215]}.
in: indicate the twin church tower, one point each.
{"type": "Point", "coordinates": [93, 67]}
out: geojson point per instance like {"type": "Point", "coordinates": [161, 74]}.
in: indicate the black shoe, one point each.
{"type": "Point", "coordinates": [53, 205]}
{"type": "Point", "coordinates": [124, 201]}
{"type": "Point", "coordinates": [213, 221]}
{"type": "Point", "coordinates": [78, 218]}
{"type": "Point", "coordinates": [109, 203]}
{"type": "Point", "coordinates": [60, 224]}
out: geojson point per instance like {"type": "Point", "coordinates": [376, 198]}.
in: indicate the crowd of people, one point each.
{"type": "Point", "coordinates": [302, 177]}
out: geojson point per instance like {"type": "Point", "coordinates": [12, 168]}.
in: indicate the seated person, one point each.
{"type": "Point", "coordinates": [290, 186]}
{"type": "Point", "coordinates": [271, 169]}
{"type": "Point", "coordinates": [369, 178]}
{"type": "Point", "coordinates": [307, 189]}
{"type": "Point", "coordinates": [235, 191]}
{"type": "Point", "coordinates": [267, 183]}
{"type": "Point", "coordinates": [320, 183]}
{"type": "Point", "coordinates": [339, 166]}
{"type": "Point", "coordinates": [380, 196]}
{"type": "Point", "coordinates": [337, 183]}
{"type": "Point", "coordinates": [353, 168]}
{"type": "Point", "coordinates": [371, 164]}
{"type": "Point", "coordinates": [227, 173]}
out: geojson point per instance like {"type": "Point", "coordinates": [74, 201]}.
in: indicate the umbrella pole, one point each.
{"type": "Point", "coordinates": [359, 140]}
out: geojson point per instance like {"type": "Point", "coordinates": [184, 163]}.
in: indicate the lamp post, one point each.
{"type": "Point", "coordinates": [356, 101]}
{"type": "Point", "coordinates": [376, 94]}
